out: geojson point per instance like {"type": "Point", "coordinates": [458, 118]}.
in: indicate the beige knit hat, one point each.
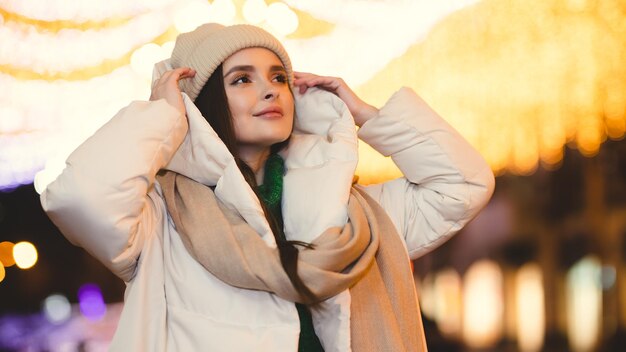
{"type": "Point", "coordinates": [206, 47]}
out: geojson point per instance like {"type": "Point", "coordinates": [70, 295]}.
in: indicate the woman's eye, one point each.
{"type": "Point", "coordinates": [280, 78]}
{"type": "Point", "coordinates": [241, 79]}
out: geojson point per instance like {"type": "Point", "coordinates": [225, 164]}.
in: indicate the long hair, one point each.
{"type": "Point", "coordinates": [213, 104]}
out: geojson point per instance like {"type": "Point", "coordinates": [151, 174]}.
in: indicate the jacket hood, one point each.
{"type": "Point", "coordinates": [320, 159]}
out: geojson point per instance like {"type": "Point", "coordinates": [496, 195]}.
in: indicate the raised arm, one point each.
{"type": "Point", "coordinates": [104, 201]}
{"type": "Point", "coordinates": [446, 181]}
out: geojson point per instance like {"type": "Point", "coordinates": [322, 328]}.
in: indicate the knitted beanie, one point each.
{"type": "Point", "coordinates": [206, 47]}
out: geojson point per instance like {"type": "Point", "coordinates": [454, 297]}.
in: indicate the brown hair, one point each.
{"type": "Point", "coordinates": [213, 104]}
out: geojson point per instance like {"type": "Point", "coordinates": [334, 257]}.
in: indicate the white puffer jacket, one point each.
{"type": "Point", "coordinates": [107, 201]}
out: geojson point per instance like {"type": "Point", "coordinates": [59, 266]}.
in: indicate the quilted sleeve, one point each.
{"type": "Point", "coordinates": [104, 200]}
{"type": "Point", "coordinates": [446, 181]}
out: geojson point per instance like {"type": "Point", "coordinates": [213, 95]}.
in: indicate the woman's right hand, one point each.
{"type": "Point", "coordinates": [360, 110]}
{"type": "Point", "coordinates": [166, 87]}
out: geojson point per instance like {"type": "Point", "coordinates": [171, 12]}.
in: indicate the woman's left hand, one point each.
{"type": "Point", "coordinates": [360, 110]}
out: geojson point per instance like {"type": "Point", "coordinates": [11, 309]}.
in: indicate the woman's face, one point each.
{"type": "Point", "coordinates": [259, 98]}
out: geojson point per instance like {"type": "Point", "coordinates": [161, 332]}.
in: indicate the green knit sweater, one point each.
{"type": "Point", "coordinates": [271, 192]}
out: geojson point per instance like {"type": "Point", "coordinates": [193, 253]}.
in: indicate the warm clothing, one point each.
{"type": "Point", "coordinates": [206, 47]}
{"type": "Point", "coordinates": [107, 201]}
{"type": "Point", "coordinates": [209, 229]}
{"type": "Point", "coordinates": [271, 193]}
{"type": "Point", "coordinates": [362, 257]}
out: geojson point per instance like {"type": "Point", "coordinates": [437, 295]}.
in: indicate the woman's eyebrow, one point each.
{"type": "Point", "coordinates": [250, 68]}
{"type": "Point", "coordinates": [246, 68]}
{"type": "Point", "coordinates": [277, 68]}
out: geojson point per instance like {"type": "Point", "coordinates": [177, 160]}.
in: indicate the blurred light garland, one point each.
{"type": "Point", "coordinates": [139, 36]}
{"type": "Point", "coordinates": [61, 61]}
{"type": "Point", "coordinates": [56, 67]}
{"type": "Point", "coordinates": [53, 11]}
{"type": "Point", "coordinates": [522, 79]}
{"type": "Point", "coordinates": [29, 54]}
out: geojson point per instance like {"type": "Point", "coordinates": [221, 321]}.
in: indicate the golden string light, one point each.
{"type": "Point", "coordinates": [64, 62]}
{"type": "Point", "coordinates": [55, 26]}
{"type": "Point", "coordinates": [67, 52]}
{"type": "Point", "coordinates": [522, 79]}
{"type": "Point", "coordinates": [90, 60]}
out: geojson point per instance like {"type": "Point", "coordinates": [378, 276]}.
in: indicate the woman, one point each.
{"type": "Point", "coordinates": [213, 261]}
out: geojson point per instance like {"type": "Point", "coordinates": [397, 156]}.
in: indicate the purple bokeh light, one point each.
{"type": "Point", "coordinates": [91, 302]}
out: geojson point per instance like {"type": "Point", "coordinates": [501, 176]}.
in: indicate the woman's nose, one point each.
{"type": "Point", "coordinates": [270, 93]}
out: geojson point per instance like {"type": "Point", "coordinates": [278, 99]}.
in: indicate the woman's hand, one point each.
{"type": "Point", "coordinates": [166, 87]}
{"type": "Point", "coordinates": [360, 110]}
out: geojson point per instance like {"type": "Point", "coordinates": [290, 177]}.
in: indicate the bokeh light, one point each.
{"type": "Point", "coordinates": [483, 304]}
{"type": "Point", "coordinates": [57, 308]}
{"type": "Point", "coordinates": [143, 59]}
{"type": "Point", "coordinates": [254, 11]}
{"type": "Point", "coordinates": [584, 304]}
{"type": "Point", "coordinates": [192, 15]}
{"type": "Point", "coordinates": [449, 304]}
{"type": "Point", "coordinates": [530, 308]}
{"type": "Point", "coordinates": [2, 272]}
{"type": "Point", "coordinates": [6, 254]}
{"type": "Point", "coordinates": [25, 255]}
{"type": "Point", "coordinates": [223, 11]}
{"type": "Point", "coordinates": [281, 19]}
{"type": "Point", "coordinates": [91, 302]}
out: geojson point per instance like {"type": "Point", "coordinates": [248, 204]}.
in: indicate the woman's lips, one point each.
{"type": "Point", "coordinates": [273, 112]}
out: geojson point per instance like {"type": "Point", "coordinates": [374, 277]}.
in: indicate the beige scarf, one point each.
{"type": "Point", "coordinates": [366, 256]}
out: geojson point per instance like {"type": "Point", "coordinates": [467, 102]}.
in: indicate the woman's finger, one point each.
{"type": "Point", "coordinates": [183, 72]}
{"type": "Point", "coordinates": [327, 83]}
{"type": "Point", "coordinates": [177, 74]}
{"type": "Point", "coordinates": [304, 81]}
{"type": "Point", "coordinates": [309, 78]}
{"type": "Point", "coordinates": [301, 74]}
{"type": "Point", "coordinates": [186, 72]}
{"type": "Point", "coordinates": [304, 77]}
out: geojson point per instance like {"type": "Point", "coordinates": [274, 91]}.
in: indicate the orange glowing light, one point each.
{"type": "Point", "coordinates": [6, 254]}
